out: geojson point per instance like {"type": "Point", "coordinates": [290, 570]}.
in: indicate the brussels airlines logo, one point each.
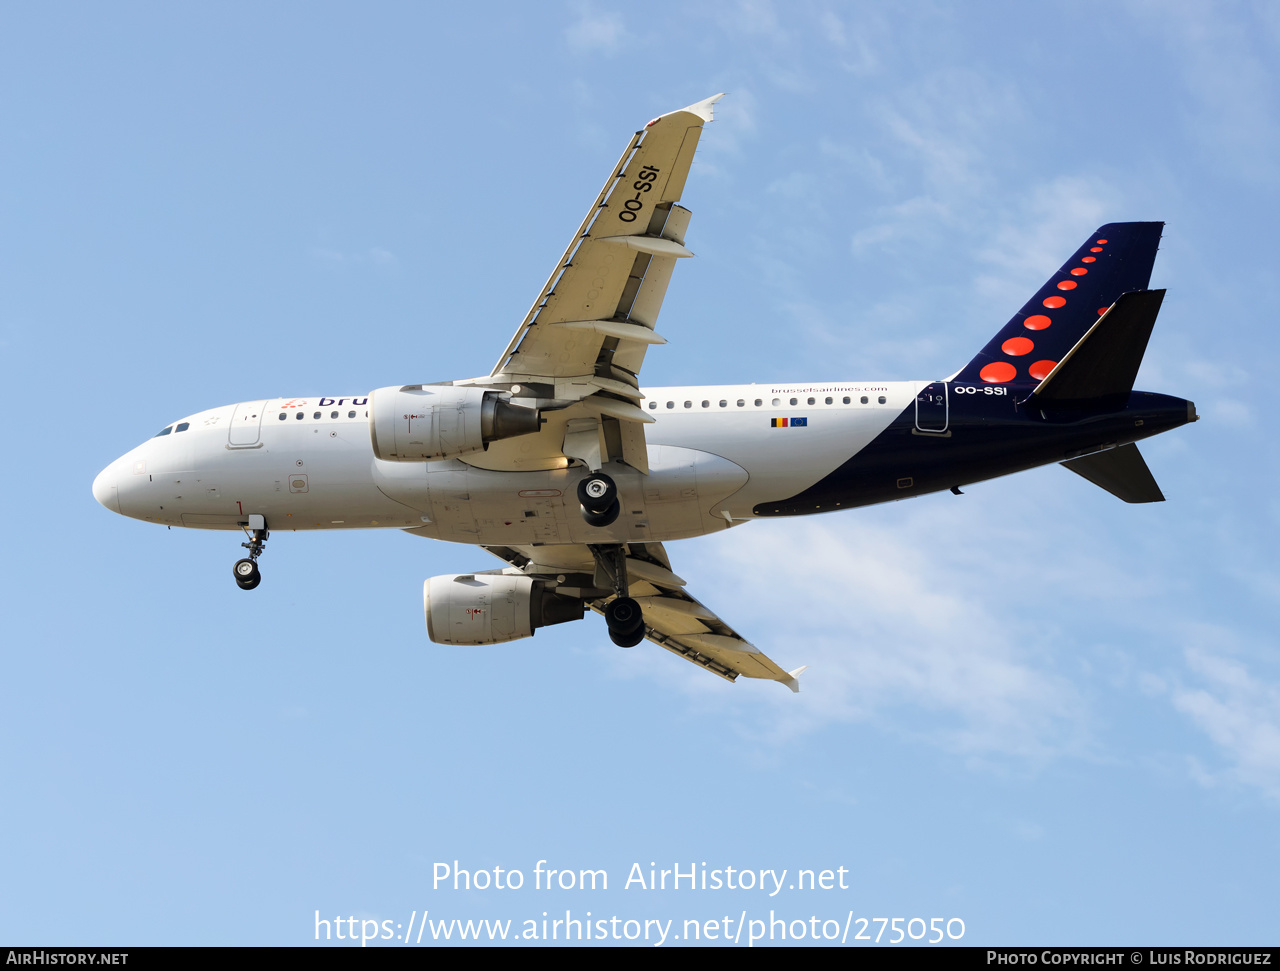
{"type": "Point", "coordinates": [324, 402]}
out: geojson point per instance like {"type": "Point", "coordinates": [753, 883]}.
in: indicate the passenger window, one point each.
{"type": "Point", "coordinates": [351, 414]}
{"type": "Point", "coordinates": [723, 403]}
{"type": "Point", "coordinates": [298, 416]}
{"type": "Point", "coordinates": [182, 427]}
{"type": "Point", "coordinates": [758, 402]}
{"type": "Point", "coordinates": [881, 399]}
{"type": "Point", "coordinates": [812, 400]}
{"type": "Point", "coordinates": [864, 399]}
{"type": "Point", "coordinates": [741, 402]}
{"type": "Point", "coordinates": [316, 415]}
{"type": "Point", "coordinates": [671, 404]}
{"type": "Point", "coordinates": [164, 431]}
{"type": "Point", "coordinates": [688, 404]}
{"type": "Point", "coordinates": [828, 401]}
{"type": "Point", "coordinates": [846, 399]}
{"type": "Point", "coordinates": [652, 405]}
{"type": "Point", "coordinates": [794, 400]}
{"type": "Point", "coordinates": [776, 402]}
{"type": "Point", "coordinates": [333, 414]}
{"type": "Point", "coordinates": [283, 416]}
{"type": "Point", "coordinates": [706, 404]}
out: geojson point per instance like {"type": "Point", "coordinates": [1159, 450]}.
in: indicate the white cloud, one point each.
{"type": "Point", "coordinates": [1226, 62]}
{"type": "Point", "coordinates": [1241, 714]}
{"type": "Point", "coordinates": [896, 630]}
{"type": "Point", "coordinates": [594, 31]}
{"type": "Point", "coordinates": [1032, 237]}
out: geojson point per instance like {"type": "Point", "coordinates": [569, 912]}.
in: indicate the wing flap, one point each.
{"type": "Point", "coordinates": [673, 619]}
{"type": "Point", "coordinates": [590, 327]}
{"type": "Point", "coordinates": [623, 232]}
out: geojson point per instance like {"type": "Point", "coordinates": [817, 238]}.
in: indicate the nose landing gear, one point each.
{"type": "Point", "coordinates": [247, 574]}
{"type": "Point", "coordinates": [246, 570]}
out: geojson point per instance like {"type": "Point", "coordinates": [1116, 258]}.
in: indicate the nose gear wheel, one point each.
{"type": "Point", "coordinates": [246, 570]}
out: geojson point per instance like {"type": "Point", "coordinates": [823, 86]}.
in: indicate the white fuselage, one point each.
{"type": "Point", "coordinates": [307, 463]}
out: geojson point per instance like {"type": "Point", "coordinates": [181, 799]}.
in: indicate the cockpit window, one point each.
{"type": "Point", "coordinates": [182, 426]}
{"type": "Point", "coordinates": [164, 431]}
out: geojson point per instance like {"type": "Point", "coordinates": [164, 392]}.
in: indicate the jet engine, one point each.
{"type": "Point", "coordinates": [420, 423]}
{"type": "Point", "coordinates": [489, 608]}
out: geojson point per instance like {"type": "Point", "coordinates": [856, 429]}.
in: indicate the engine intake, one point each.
{"type": "Point", "coordinates": [421, 423]}
{"type": "Point", "coordinates": [489, 608]}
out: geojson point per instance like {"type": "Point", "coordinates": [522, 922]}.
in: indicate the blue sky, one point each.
{"type": "Point", "coordinates": [1035, 708]}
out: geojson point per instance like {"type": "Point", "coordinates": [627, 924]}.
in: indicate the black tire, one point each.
{"type": "Point", "coordinates": [627, 640]}
{"type": "Point", "coordinates": [624, 617]}
{"type": "Point", "coordinates": [606, 518]}
{"type": "Point", "coordinates": [246, 574]}
{"type": "Point", "coordinates": [597, 492]}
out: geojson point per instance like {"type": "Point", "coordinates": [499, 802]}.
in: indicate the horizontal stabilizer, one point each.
{"type": "Point", "coordinates": [1105, 361]}
{"type": "Point", "coordinates": [1121, 471]}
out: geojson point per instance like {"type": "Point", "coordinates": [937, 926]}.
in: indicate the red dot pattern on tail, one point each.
{"type": "Point", "coordinates": [1018, 346]}
{"type": "Point", "coordinates": [998, 372]}
{"type": "Point", "coordinates": [1001, 372]}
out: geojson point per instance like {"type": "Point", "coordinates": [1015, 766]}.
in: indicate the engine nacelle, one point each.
{"type": "Point", "coordinates": [489, 608]}
{"type": "Point", "coordinates": [420, 423]}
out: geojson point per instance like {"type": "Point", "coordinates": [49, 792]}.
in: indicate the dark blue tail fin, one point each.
{"type": "Point", "coordinates": [1116, 259]}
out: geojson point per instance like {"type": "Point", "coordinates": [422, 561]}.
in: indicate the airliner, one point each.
{"type": "Point", "coordinates": [560, 464]}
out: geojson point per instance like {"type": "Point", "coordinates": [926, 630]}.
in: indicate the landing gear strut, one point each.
{"type": "Point", "coordinates": [622, 614]}
{"type": "Point", "coordinates": [246, 570]}
{"type": "Point", "coordinates": [599, 498]}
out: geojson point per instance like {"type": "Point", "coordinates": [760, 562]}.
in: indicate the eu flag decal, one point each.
{"type": "Point", "coordinates": [788, 422]}
{"type": "Point", "coordinates": [799, 421]}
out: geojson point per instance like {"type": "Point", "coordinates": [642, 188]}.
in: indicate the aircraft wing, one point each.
{"type": "Point", "coordinates": [585, 337]}
{"type": "Point", "coordinates": [672, 617]}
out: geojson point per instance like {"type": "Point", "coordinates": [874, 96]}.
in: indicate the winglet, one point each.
{"type": "Point", "coordinates": [793, 678]}
{"type": "Point", "coordinates": [704, 109]}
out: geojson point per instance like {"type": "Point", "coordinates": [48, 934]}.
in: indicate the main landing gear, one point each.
{"type": "Point", "coordinates": [622, 614]}
{"type": "Point", "coordinates": [246, 570]}
{"type": "Point", "coordinates": [599, 498]}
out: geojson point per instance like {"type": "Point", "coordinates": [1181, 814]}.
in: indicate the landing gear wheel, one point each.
{"type": "Point", "coordinates": [606, 518]}
{"type": "Point", "coordinates": [246, 574]}
{"type": "Point", "coordinates": [597, 492]}
{"type": "Point", "coordinates": [627, 640]}
{"type": "Point", "coordinates": [624, 617]}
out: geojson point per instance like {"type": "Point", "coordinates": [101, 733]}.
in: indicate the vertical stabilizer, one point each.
{"type": "Point", "coordinates": [1114, 260]}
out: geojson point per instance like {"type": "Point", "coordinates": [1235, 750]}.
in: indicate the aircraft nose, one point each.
{"type": "Point", "coordinates": [105, 489]}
